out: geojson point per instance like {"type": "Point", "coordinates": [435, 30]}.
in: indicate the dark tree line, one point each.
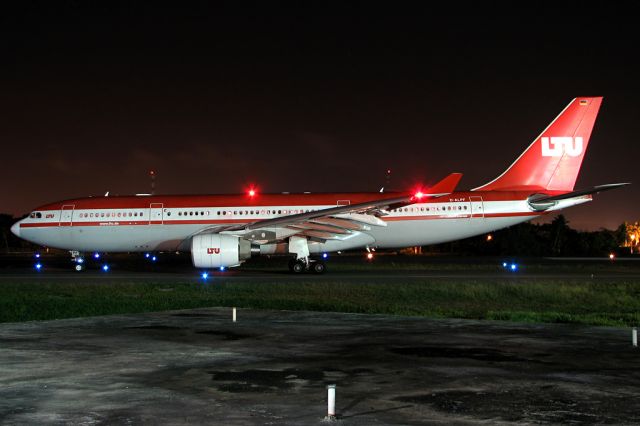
{"type": "Point", "coordinates": [550, 239]}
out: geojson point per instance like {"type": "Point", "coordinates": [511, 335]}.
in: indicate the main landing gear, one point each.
{"type": "Point", "coordinates": [299, 266]}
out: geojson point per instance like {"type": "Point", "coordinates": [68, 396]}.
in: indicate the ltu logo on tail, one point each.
{"type": "Point", "coordinates": [557, 146]}
{"type": "Point", "coordinates": [213, 250]}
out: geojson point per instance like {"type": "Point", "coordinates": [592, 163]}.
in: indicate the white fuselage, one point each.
{"type": "Point", "coordinates": [160, 227]}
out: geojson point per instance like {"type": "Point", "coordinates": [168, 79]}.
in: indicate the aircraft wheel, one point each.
{"type": "Point", "coordinates": [298, 267]}
{"type": "Point", "coordinates": [291, 263]}
{"type": "Point", "coordinates": [318, 267]}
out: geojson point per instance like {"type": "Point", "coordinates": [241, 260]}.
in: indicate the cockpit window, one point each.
{"type": "Point", "coordinates": [35, 215]}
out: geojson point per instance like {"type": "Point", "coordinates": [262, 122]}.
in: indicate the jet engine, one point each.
{"type": "Point", "coordinates": [215, 250]}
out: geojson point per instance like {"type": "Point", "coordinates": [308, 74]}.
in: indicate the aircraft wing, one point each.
{"type": "Point", "coordinates": [336, 222]}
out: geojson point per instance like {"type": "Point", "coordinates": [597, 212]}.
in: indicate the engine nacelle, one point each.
{"type": "Point", "coordinates": [215, 250]}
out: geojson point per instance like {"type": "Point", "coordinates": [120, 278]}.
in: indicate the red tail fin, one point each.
{"type": "Point", "coordinates": [553, 160]}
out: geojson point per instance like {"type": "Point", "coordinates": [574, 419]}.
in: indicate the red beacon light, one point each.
{"type": "Point", "coordinates": [418, 195]}
{"type": "Point", "coordinates": [252, 192]}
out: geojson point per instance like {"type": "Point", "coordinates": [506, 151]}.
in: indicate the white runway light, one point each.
{"type": "Point", "coordinates": [234, 315]}
{"type": "Point", "coordinates": [331, 402]}
{"type": "Point", "coordinates": [634, 337]}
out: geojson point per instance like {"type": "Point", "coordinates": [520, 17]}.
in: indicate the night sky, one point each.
{"type": "Point", "coordinates": [324, 99]}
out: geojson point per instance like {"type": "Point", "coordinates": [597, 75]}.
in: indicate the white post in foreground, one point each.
{"type": "Point", "coordinates": [331, 402]}
{"type": "Point", "coordinates": [634, 337]}
{"type": "Point", "coordinates": [234, 315]}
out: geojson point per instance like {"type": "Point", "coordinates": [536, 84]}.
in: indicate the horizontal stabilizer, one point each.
{"type": "Point", "coordinates": [446, 185]}
{"type": "Point", "coordinates": [544, 202]}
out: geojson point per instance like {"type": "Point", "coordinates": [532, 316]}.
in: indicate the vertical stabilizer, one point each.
{"type": "Point", "coordinates": [553, 160]}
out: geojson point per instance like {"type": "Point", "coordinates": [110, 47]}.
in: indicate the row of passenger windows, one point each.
{"type": "Point", "coordinates": [243, 212]}
{"type": "Point", "coordinates": [38, 215]}
{"type": "Point", "coordinates": [193, 213]}
{"type": "Point", "coordinates": [427, 209]}
{"type": "Point", "coordinates": [111, 214]}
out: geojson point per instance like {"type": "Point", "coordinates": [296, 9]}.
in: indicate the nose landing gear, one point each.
{"type": "Point", "coordinates": [78, 260]}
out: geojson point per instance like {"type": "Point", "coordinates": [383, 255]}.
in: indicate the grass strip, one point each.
{"type": "Point", "coordinates": [530, 300]}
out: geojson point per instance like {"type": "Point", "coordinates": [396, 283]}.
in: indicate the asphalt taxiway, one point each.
{"type": "Point", "coordinates": [384, 276]}
{"type": "Point", "coordinates": [272, 367]}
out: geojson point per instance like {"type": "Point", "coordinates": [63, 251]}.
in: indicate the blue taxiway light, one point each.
{"type": "Point", "coordinates": [514, 266]}
{"type": "Point", "coordinates": [79, 260]}
{"type": "Point", "coordinates": [153, 259]}
{"type": "Point", "coordinates": [222, 268]}
{"type": "Point", "coordinates": [205, 275]}
{"type": "Point", "coordinates": [105, 268]}
{"type": "Point", "coordinates": [96, 255]}
{"type": "Point", "coordinates": [37, 255]}
{"type": "Point", "coordinates": [325, 255]}
{"type": "Point", "coordinates": [147, 255]}
{"type": "Point", "coordinates": [504, 264]}
{"type": "Point", "coordinates": [38, 266]}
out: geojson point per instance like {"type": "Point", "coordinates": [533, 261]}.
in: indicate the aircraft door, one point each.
{"type": "Point", "coordinates": [66, 215]}
{"type": "Point", "coordinates": [477, 206]}
{"type": "Point", "coordinates": [156, 214]}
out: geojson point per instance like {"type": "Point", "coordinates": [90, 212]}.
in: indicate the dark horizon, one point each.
{"type": "Point", "coordinates": [303, 99]}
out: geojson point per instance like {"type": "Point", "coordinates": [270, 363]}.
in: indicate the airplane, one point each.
{"type": "Point", "coordinates": [223, 231]}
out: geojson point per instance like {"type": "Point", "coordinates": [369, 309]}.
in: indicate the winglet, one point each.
{"type": "Point", "coordinates": [446, 185]}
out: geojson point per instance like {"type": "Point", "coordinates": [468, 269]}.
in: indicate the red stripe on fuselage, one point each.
{"type": "Point", "coordinates": [240, 221]}
{"type": "Point", "coordinates": [269, 200]}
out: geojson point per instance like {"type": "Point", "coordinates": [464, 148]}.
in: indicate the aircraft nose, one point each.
{"type": "Point", "coordinates": [16, 229]}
